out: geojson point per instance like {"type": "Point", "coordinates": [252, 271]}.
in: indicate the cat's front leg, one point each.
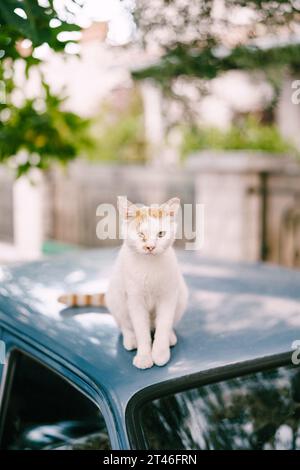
{"type": "Point", "coordinates": [141, 324]}
{"type": "Point", "coordinates": [164, 334]}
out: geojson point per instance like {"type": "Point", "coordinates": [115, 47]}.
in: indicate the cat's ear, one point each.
{"type": "Point", "coordinates": [127, 209]}
{"type": "Point", "coordinates": [172, 206]}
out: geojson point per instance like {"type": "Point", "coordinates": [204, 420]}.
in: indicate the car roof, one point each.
{"type": "Point", "coordinates": [237, 312]}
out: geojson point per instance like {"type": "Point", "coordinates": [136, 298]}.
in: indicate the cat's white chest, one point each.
{"type": "Point", "coordinates": [152, 289]}
{"type": "Point", "coordinates": [155, 280]}
{"type": "Point", "coordinates": [149, 281]}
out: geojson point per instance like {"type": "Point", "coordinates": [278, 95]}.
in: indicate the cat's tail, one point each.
{"type": "Point", "coordinates": [83, 300]}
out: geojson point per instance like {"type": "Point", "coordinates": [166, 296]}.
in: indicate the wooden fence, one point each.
{"type": "Point", "coordinates": [77, 193]}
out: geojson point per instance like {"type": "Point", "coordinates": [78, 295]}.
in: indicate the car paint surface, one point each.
{"type": "Point", "coordinates": [236, 313]}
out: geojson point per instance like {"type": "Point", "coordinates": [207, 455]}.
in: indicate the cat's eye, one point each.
{"type": "Point", "coordinates": [141, 235]}
{"type": "Point", "coordinates": [161, 234]}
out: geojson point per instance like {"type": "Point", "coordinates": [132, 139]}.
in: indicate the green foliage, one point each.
{"type": "Point", "coordinates": [43, 135]}
{"type": "Point", "coordinates": [118, 135]}
{"type": "Point", "coordinates": [252, 135]}
{"type": "Point", "coordinates": [213, 46]}
{"type": "Point", "coordinates": [35, 26]}
{"type": "Point", "coordinates": [208, 63]}
{"type": "Point", "coordinates": [38, 128]}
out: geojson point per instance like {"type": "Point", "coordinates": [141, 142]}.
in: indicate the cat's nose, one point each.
{"type": "Point", "coordinates": [149, 248]}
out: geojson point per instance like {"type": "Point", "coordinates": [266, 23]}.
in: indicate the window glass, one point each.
{"type": "Point", "coordinates": [41, 410]}
{"type": "Point", "coordinates": [257, 411]}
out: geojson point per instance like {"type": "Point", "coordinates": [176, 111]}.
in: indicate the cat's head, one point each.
{"type": "Point", "coordinates": [149, 230]}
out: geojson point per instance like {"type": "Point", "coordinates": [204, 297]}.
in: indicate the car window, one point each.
{"type": "Point", "coordinates": [257, 411]}
{"type": "Point", "coordinates": [41, 410]}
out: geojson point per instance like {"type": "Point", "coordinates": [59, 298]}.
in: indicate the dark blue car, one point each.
{"type": "Point", "coordinates": [233, 381]}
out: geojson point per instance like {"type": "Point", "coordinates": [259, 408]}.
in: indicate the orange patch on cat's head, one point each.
{"type": "Point", "coordinates": [144, 212]}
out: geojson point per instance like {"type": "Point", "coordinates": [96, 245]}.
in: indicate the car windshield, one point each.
{"type": "Point", "coordinates": [257, 411]}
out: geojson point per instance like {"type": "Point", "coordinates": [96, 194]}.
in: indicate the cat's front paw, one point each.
{"type": "Point", "coordinates": [129, 342]}
{"type": "Point", "coordinates": [143, 361]}
{"type": "Point", "coordinates": [161, 356]}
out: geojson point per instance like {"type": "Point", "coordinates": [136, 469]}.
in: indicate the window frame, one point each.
{"type": "Point", "coordinates": [91, 393]}
{"type": "Point", "coordinates": [134, 427]}
{"type": "Point", "coordinates": [1, 365]}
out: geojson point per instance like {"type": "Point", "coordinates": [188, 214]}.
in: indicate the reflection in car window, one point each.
{"type": "Point", "coordinates": [257, 411]}
{"type": "Point", "coordinates": [43, 411]}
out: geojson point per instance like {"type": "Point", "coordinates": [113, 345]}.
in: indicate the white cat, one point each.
{"type": "Point", "coordinates": [147, 292]}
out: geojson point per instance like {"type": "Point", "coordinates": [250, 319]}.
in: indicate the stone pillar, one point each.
{"type": "Point", "coordinates": [28, 215]}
